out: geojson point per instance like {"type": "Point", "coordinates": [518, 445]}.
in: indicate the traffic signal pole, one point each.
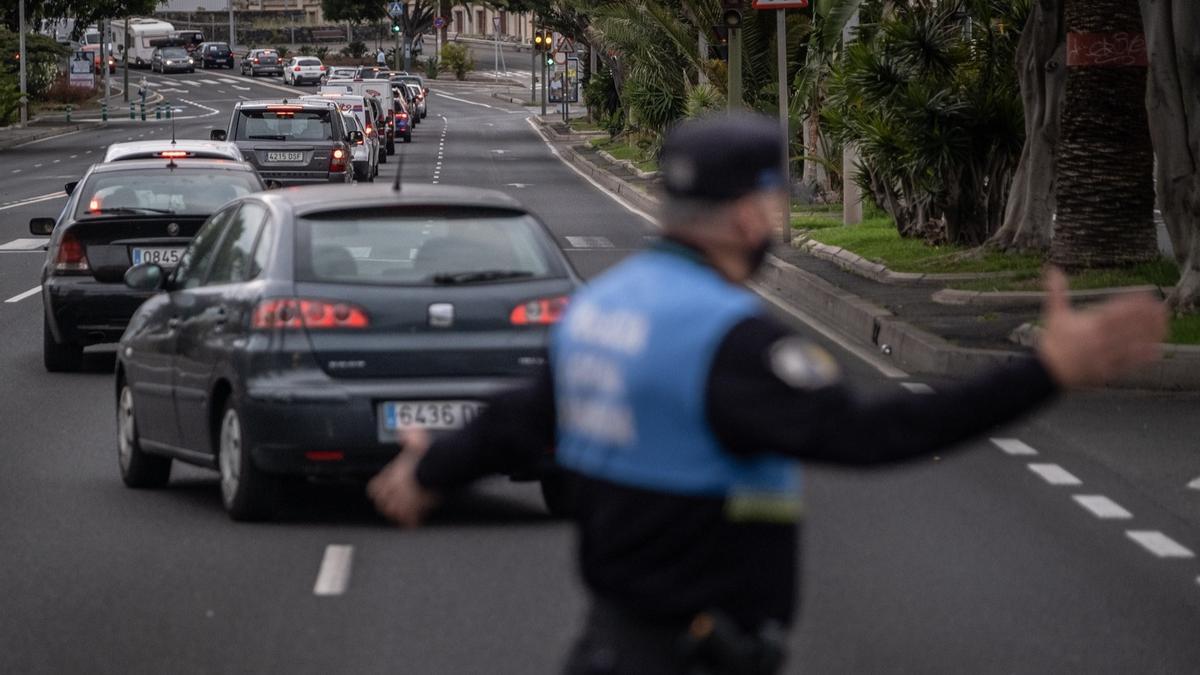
{"type": "Point", "coordinates": [735, 69]}
{"type": "Point", "coordinates": [781, 47]}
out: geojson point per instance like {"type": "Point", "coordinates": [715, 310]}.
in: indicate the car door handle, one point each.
{"type": "Point", "coordinates": [173, 322]}
{"type": "Point", "coordinates": [220, 316]}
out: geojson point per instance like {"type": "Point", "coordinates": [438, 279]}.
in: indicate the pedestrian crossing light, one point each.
{"type": "Point", "coordinates": [395, 28]}
{"type": "Point", "coordinates": [549, 60]}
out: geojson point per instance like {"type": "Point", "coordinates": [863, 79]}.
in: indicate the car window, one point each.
{"type": "Point", "coordinates": [232, 261]}
{"type": "Point", "coordinates": [419, 246]}
{"type": "Point", "coordinates": [308, 62]}
{"type": "Point", "coordinates": [284, 125]}
{"type": "Point", "coordinates": [196, 259]}
{"type": "Point", "coordinates": [263, 248]}
{"type": "Point", "coordinates": [159, 190]}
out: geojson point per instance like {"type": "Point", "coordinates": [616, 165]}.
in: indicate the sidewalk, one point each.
{"type": "Point", "coordinates": [899, 320]}
{"type": "Point", "coordinates": [36, 130]}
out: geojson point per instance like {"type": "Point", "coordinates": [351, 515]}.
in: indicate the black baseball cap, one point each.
{"type": "Point", "coordinates": [722, 158]}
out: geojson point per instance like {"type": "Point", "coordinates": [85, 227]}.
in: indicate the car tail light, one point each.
{"type": "Point", "coordinates": [538, 312]}
{"type": "Point", "coordinates": [295, 313]}
{"type": "Point", "coordinates": [256, 60]}
{"type": "Point", "coordinates": [337, 160]}
{"type": "Point", "coordinates": [325, 455]}
{"type": "Point", "coordinates": [297, 69]}
{"type": "Point", "coordinates": [323, 70]}
{"type": "Point", "coordinates": [401, 116]}
{"type": "Point", "coordinates": [290, 108]}
{"type": "Point", "coordinates": [174, 154]}
{"type": "Point", "coordinates": [71, 257]}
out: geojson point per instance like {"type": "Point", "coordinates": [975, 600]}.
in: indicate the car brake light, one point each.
{"type": "Point", "coordinates": [173, 154]}
{"type": "Point", "coordinates": [538, 312]}
{"type": "Point", "coordinates": [256, 60]}
{"type": "Point", "coordinates": [325, 455]}
{"type": "Point", "coordinates": [297, 69]}
{"type": "Point", "coordinates": [323, 70]}
{"type": "Point", "coordinates": [292, 108]}
{"type": "Point", "coordinates": [71, 256]}
{"type": "Point", "coordinates": [294, 313]}
{"type": "Point", "coordinates": [337, 160]}
{"type": "Point", "coordinates": [401, 116]}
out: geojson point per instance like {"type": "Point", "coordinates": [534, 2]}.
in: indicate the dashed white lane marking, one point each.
{"type": "Point", "coordinates": [1103, 507]}
{"type": "Point", "coordinates": [589, 242]}
{"type": "Point", "coordinates": [1055, 474]}
{"type": "Point", "coordinates": [216, 82]}
{"type": "Point", "coordinates": [23, 245]}
{"type": "Point", "coordinates": [1195, 485]}
{"type": "Point", "coordinates": [248, 89]}
{"type": "Point", "coordinates": [1013, 446]}
{"type": "Point", "coordinates": [21, 296]}
{"type": "Point", "coordinates": [866, 355]}
{"type": "Point", "coordinates": [918, 388]}
{"type": "Point", "coordinates": [334, 574]}
{"type": "Point", "coordinates": [74, 156]}
{"type": "Point", "coordinates": [1159, 544]}
{"type": "Point", "coordinates": [16, 171]}
{"type": "Point", "coordinates": [32, 200]}
{"type": "Point", "coordinates": [38, 166]}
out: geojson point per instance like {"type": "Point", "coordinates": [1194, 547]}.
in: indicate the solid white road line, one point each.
{"type": "Point", "coordinates": [463, 100]}
{"type": "Point", "coordinates": [23, 245]}
{"type": "Point", "coordinates": [864, 354]}
{"type": "Point", "coordinates": [1103, 507]}
{"type": "Point", "coordinates": [611, 195]}
{"type": "Point", "coordinates": [1013, 446]}
{"type": "Point", "coordinates": [21, 296]}
{"type": "Point", "coordinates": [33, 200]}
{"type": "Point", "coordinates": [1055, 474]}
{"type": "Point", "coordinates": [917, 387]}
{"type": "Point", "coordinates": [334, 574]}
{"type": "Point", "coordinates": [1159, 544]}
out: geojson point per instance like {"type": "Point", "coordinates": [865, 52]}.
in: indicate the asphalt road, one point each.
{"type": "Point", "coordinates": [993, 560]}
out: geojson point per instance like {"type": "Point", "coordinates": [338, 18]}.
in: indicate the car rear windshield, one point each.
{"type": "Point", "coordinates": [284, 125]}
{"type": "Point", "coordinates": [308, 62]}
{"type": "Point", "coordinates": [162, 191]}
{"type": "Point", "coordinates": [423, 246]}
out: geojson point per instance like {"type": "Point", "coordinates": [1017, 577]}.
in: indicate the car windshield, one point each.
{"type": "Point", "coordinates": [175, 53]}
{"type": "Point", "coordinates": [342, 73]}
{"type": "Point", "coordinates": [284, 125]}
{"type": "Point", "coordinates": [156, 190]}
{"type": "Point", "coordinates": [431, 246]}
{"type": "Point", "coordinates": [308, 62]}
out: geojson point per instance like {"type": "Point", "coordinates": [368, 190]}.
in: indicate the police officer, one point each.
{"type": "Point", "coordinates": [678, 408]}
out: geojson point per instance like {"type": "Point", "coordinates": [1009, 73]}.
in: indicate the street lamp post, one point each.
{"type": "Point", "coordinates": [22, 57]}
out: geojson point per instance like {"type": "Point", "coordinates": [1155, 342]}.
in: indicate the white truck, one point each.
{"type": "Point", "coordinates": [144, 36]}
{"type": "Point", "coordinates": [382, 89]}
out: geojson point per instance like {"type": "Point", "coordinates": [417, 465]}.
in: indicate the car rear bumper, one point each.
{"type": "Point", "coordinates": [285, 425]}
{"type": "Point", "coordinates": [177, 68]}
{"type": "Point", "coordinates": [87, 312]}
{"type": "Point", "coordinates": [303, 177]}
{"type": "Point", "coordinates": [267, 70]}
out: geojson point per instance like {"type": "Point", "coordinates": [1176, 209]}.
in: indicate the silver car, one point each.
{"type": "Point", "coordinates": [365, 153]}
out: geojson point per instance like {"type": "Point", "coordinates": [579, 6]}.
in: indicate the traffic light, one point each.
{"type": "Point", "coordinates": [395, 27]}
{"type": "Point", "coordinates": [541, 41]}
{"type": "Point", "coordinates": [731, 12]}
{"type": "Point", "coordinates": [549, 60]}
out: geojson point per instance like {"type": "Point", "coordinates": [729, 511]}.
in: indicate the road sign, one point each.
{"type": "Point", "coordinates": [439, 23]}
{"type": "Point", "coordinates": [780, 4]}
{"type": "Point", "coordinates": [565, 45]}
{"type": "Point", "coordinates": [395, 9]}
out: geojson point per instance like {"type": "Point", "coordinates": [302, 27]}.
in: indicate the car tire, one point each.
{"type": "Point", "coordinates": [557, 494]}
{"type": "Point", "coordinates": [391, 146]}
{"type": "Point", "coordinates": [59, 357]}
{"type": "Point", "coordinates": [383, 155]}
{"type": "Point", "coordinates": [408, 137]}
{"type": "Point", "coordinates": [247, 493]}
{"type": "Point", "coordinates": [139, 469]}
{"type": "Point", "coordinates": [192, 70]}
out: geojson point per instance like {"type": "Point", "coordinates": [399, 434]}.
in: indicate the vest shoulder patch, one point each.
{"type": "Point", "coordinates": [800, 364]}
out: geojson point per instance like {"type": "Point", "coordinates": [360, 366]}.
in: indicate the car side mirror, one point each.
{"type": "Point", "coordinates": [70, 187]}
{"type": "Point", "coordinates": [273, 184]}
{"type": "Point", "coordinates": [217, 135]}
{"type": "Point", "coordinates": [41, 226]}
{"type": "Point", "coordinates": [356, 136]}
{"type": "Point", "coordinates": [146, 277]}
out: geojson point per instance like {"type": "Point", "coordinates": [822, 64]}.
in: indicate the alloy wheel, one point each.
{"type": "Point", "coordinates": [230, 455]}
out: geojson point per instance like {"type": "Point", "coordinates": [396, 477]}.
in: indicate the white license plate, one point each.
{"type": "Point", "coordinates": [166, 257]}
{"type": "Point", "coordinates": [285, 156]}
{"type": "Point", "coordinates": [401, 415]}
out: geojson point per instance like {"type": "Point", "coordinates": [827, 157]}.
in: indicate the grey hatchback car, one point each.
{"type": "Point", "coordinates": [296, 143]}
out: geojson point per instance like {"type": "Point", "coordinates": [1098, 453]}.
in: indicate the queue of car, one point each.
{"type": "Point", "coordinates": [275, 322]}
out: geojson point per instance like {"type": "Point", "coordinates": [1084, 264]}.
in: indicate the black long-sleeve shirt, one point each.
{"type": "Point", "coordinates": [768, 391]}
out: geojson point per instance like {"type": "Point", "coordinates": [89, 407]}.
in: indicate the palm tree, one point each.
{"type": "Point", "coordinates": [1105, 191]}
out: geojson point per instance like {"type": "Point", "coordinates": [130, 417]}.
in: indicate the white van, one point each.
{"type": "Point", "coordinates": [144, 36]}
{"type": "Point", "coordinates": [381, 89]}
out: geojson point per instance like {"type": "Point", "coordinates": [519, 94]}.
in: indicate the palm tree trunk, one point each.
{"type": "Point", "coordinates": [1105, 192]}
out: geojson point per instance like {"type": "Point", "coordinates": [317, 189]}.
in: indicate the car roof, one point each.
{"type": "Point", "coordinates": [311, 199]}
{"type": "Point", "coordinates": [190, 165]}
{"type": "Point", "coordinates": [298, 100]}
{"type": "Point", "coordinates": [140, 149]}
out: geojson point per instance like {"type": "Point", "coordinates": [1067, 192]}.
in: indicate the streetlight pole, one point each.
{"type": "Point", "coordinates": [781, 48]}
{"type": "Point", "coordinates": [232, 32]}
{"type": "Point", "coordinates": [851, 195]}
{"type": "Point", "coordinates": [23, 59]}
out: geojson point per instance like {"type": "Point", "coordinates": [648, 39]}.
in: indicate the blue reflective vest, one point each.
{"type": "Point", "coordinates": [631, 360]}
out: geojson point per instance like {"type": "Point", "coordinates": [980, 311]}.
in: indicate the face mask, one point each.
{"type": "Point", "coordinates": [758, 255]}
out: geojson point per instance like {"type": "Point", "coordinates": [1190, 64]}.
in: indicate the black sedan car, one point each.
{"type": "Point", "coordinates": [304, 328]}
{"type": "Point", "coordinates": [214, 55]}
{"type": "Point", "coordinates": [118, 215]}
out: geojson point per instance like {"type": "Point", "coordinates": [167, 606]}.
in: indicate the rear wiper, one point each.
{"type": "Point", "coordinates": [478, 277]}
{"type": "Point", "coordinates": [130, 209]}
{"type": "Point", "coordinates": [267, 138]}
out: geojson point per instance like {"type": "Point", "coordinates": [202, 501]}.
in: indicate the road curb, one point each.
{"type": "Point", "coordinates": [852, 262]}
{"type": "Point", "coordinates": [954, 296]}
{"type": "Point", "coordinates": [906, 345]}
